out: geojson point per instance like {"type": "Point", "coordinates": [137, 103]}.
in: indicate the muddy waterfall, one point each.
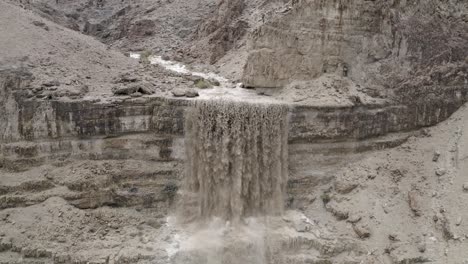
{"type": "Point", "coordinates": [237, 158]}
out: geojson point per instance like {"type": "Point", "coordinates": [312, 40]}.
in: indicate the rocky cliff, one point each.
{"type": "Point", "coordinates": [377, 44]}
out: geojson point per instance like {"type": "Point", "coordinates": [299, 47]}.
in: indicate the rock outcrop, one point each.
{"type": "Point", "coordinates": [224, 28]}
{"type": "Point", "coordinates": [377, 44]}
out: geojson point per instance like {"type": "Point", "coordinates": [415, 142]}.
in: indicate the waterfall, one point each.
{"type": "Point", "coordinates": [236, 158]}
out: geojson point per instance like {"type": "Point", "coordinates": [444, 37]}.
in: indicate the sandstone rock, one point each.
{"type": "Point", "coordinates": [440, 172]}
{"type": "Point", "coordinates": [131, 89]}
{"type": "Point", "coordinates": [95, 199]}
{"type": "Point", "coordinates": [444, 225]}
{"type": "Point", "coordinates": [302, 227]}
{"type": "Point", "coordinates": [393, 237]}
{"type": "Point", "coordinates": [41, 25]}
{"type": "Point", "coordinates": [436, 156]}
{"type": "Point", "coordinates": [38, 89]}
{"type": "Point", "coordinates": [301, 202]}
{"type": "Point", "coordinates": [215, 82]}
{"type": "Point", "coordinates": [397, 175]}
{"type": "Point", "coordinates": [362, 230]}
{"type": "Point", "coordinates": [403, 259]}
{"type": "Point", "coordinates": [354, 218]}
{"type": "Point", "coordinates": [126, 78]}
{"type": "Point", "coordinates": [273, 62]}
{"type": "Point", "coordinates": [345, 186]}
{"type": "Point", "coordinates": [84, 89]}
{"type": "Point", "coordinates": [142, 28]}
{"type": "Point", "coordinates": [337, 210]}
{"type": "Point", "coordinates": [421, 246]}
{"type": "Point", "coordinates": [414, 202]}
{"type": "Point", "coordinates": [5, 244]}
{"type": "Point", "coordinates": [124, 90]}
{"type": "Point", "coordinates": [425, 132]}
{"type": "Point", "coordinates": [202, 83]}
{"type": "Point", "coordinates": [51, 83]}
{"type": "Point", "coordinates": [355, 99]}
{"type": "Point", "coordinates": [191, 94]}
{"type": "Point", "coordinates": [156, 224]}
{"type": "Point", "coordinates": [178, 92]}
{"type": "Point", "coordinates": [465, 186]}
{"type": "Point", "coordinates": [224, 29]}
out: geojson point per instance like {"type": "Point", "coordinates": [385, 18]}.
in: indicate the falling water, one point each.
{"type": "Point", "coordinates": [237, 158]}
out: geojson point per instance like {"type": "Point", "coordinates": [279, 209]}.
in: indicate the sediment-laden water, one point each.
{"type": "Point", "coordinates": [237, 158]}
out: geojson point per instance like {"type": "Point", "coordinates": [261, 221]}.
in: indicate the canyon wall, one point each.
{"type": "Point", "coordinates": [150, 130]}
{"type": "Point", "coordinates": [34, 129]}
{"type": "Point", "coordinates": [377, 44]}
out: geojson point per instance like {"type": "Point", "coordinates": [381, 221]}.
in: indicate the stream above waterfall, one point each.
{"type": "Point", "coordinates": [227, 89]}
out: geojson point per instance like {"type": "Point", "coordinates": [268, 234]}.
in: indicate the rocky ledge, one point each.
{"type": "Point", "coordinates": [34, 130]}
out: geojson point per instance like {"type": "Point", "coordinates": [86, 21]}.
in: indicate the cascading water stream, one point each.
{"type": "Point", "coordinates": [237, 158]}
{"type": "Point", "coordinates": [236, 177]}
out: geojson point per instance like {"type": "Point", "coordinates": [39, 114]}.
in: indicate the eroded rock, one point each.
{"type": "Point", "coordinates": [338, 210]}
{"type": "Point", "coordinates": [414, 201]}
{"type": "Point", "coordinates": [178, 92]}
{"type": "Point", "coordinates": [132, 89]}
{"type": "Point", "coordinates": [354, 218]}
{"type": "Point", "coordinates": [362, 230]}
{"type": "Point", "coordinates": [440, 172]}
{"type": "Point", "coordinates": [465, 186]}
{"type": "Point", "coordinates": [191, 94]}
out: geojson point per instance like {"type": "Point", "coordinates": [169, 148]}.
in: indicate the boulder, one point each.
{"type": "Point", "coordinates": [178, 93]}
{"type": "Point", "coordinates": [345, 186]}
{"type": "Point", "coordinates": [131, 89]}
{"type": "Point", "coordinates": [362, 230]}
{"type": "Point", "coordinates": [126, 90]}
{"type": "Point", "coordinates": [51, 83]}
{"type": "Point", "coordinates": [414, 202]}
{"type": "Point", "coordinates": [337, 210]}
{"type": "Point", "coordinates": [465, 186]}
{"type": "Point", "coordinates": [191, 94]}
{"type": "Point", "coordinates": [440, 172]}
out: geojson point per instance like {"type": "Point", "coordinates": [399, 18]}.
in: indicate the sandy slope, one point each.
{"type": "Point", "coordinates": [65, 60]}
{"type": "Point", "coordinates": [57, 53]}
{"type": "Point", "coordinates": [411, 198]}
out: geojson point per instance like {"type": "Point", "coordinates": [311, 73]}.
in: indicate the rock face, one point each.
{"type": "Point", "coordinates": [35, 130]}
{"type": "Point", "coordinates": [224, 28]}
{"type": "Point", "coordinates": [69, 127]}
{"type": "Point", "coordinates": [396, 52]}
{"type": "Point", "coordinates": [377, 44]}
{"type": "Point", "coordinates": [11, 82]}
